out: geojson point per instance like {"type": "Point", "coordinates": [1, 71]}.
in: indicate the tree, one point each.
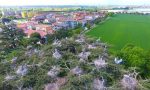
{"type": "Point", "coordinates": [34, 38]}
{"type": "Point", "coordinates": [63, 34]}
{"type": "Point", "coordinates": [88, 25]}
{"type": "Point", "coordinates": [59, 35]}
{"type": "Point", "coordinates": [5, 20]}
{"type": "Point", "coordinates": [24, 14]}
{"type": "Point", "coordinates": [77, 31]}
{"type": "Point", "coordinates": [72, 71]}
{"type": "Point", "coordinates": [35, 35]}
{"type": "Point", "coordinates": [0, 15]}
{"type": "Point", "coordinates": [11, 17]}
{"type": "Point", "coordinates": [146, 66]}
{"type": "Point", "coordinates": [110, 14]}
{"type": "Point", "coordinates": [134, 56]}
{"type": "Point", "coordinates": [11, 38]}
{"type": "Point", "coordinates": [30, 14]}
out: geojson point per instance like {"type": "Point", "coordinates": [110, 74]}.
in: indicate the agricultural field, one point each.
{"type": "Point", "coordinates": [122, 29]}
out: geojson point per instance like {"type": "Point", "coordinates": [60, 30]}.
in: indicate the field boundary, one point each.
{"type": "Point", "coordinates": [97, 25]}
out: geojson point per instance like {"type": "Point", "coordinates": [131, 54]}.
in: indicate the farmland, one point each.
{"type": "Point", "coordinates": [122, 29]}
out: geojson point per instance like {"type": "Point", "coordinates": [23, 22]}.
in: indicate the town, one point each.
{"type": "Point", "coordinates": [50, 21]}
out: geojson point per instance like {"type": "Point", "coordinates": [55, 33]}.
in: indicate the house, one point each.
{"type": "Point", "coordinates": [71, 23]}
{"type": "Point", "coordinates": [89, 18]}
{"type": "Point", "coordinates": [31, 27]}
{"type": "Point", "coordinates": [18, 14]}
{"type": "Point", "coordinates": [79, 16]}
{"type": "Point", "coordinates": [31, 24]}
{"type": "Point", "coordinates": [49, 20]}
{"type": "Point", "coordinates": [59, 26]}
{"type": "Point", "coordinates": [42, 32]}
{"type": "Point", "coordinates": [8, 13]}
{"type": "Point", "coordinates": [49, 16]}
{"type": "Point", "coordinates": [42, 27]}
{"type": "Point", "coordinates": [38, 18]}
{"type": "Point", "coordinates": [27, 25]}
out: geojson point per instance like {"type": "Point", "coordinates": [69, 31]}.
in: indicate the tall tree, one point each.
{"type": "Point", "coordinates": [10, 38]}
{"type": "Point", "coordinates": [134, 56]}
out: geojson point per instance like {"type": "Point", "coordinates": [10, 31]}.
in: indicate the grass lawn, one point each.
{"type": "Point", "coordinates": [122, 29]}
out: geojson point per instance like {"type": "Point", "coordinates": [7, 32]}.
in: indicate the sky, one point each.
{"type": "Point", "coordinates": [73, 2]}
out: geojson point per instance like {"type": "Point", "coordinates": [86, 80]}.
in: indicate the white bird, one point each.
{"type": "Point", "coordinates": [118, 61]}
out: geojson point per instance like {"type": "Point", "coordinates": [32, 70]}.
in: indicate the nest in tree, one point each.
{"type": "Point", "coordinates": [129, 83]}
{"type": "Point", "coordinates": [56, 54]}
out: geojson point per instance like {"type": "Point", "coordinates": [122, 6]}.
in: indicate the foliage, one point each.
{"type": "Point", "coordinates": [35, 35]}
{"type": "Point", "coordinates": [11, 17]}
{"type": "Point", "coordinates": [10, 38]}
{"type": "Point", "coordinates": [24, 14]}
{"type": "Point", "coordinates": [135, 57]}
{"type": "Point", "coordinates": [88, 25]}
{"type": "Point", "coordinates": [59, 35]}
{"type": "Point", "coordinates": [34, 38]}
{"type": "Point", "coordinates": [72, 71]}
{"type": "Point", "coordinates": [110, 14]}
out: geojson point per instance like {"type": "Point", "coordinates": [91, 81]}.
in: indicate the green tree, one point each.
{"type": "Point", "coordinates": [59, 35]}
{"type": "Point", "coordinates": [110, 14]}
{"type": "Point", "coordinates": [10, 38]}
{"type": "Point", "coordinates": [34, 38]}
{"type": "Point", "coordinates": [88, 25]}
{"type": "Point", "coordinates": [0, 15]}
{"type": "Point", "coordinates": [146, 66]}
{"type": "Point", "coordinates": [35, 35]}
{"type": "Point", "coordinates": [134, 56]}
{"type": "Point", "coordinates": [11, 17]}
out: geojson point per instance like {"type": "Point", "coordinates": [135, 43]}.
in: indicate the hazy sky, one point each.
{"type": "Point", "coordinates": [74, 2]}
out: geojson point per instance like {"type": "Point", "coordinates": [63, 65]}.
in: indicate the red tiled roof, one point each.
{"type": "Point", "coordinates": [46, 27]}
{"type": "Point", "coordinates": [42, 26]}
{"type": "Point", "coordinates": [32, 23]}
{"type": "Point", "coordinates": [24, 25]}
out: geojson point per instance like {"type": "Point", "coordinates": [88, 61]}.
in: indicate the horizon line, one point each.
{"type": "Point", "coordinates": [69, 5]}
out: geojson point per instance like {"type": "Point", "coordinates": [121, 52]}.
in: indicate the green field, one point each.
{"type": "Point", "coordinates": [122, 29]}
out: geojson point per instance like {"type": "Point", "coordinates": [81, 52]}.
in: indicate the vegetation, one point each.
{"type": "Point", "coordinates": [10, 38]}
{"type": "Point", "coordinates": [59, 35]}
{"type": "Point", "coordinates": [73, 63]}
{"type": "Point", "coordinates": [136, 57]}
{"type": "Point", "coordinates": [122, 29]}
{"type": "Point", "coordinates": [11, 17]}
{"type": "Point", "coordinates": [68, 60]}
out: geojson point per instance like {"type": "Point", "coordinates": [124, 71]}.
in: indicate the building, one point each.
{"type": "Point", "coordinates": [8, 13]}
{"type": "Point", "coordinates": [32, 27]}
{"type": "Point", "coordinates": [71, 23]}
{"type": "Point", "coordinates": [42, 27]}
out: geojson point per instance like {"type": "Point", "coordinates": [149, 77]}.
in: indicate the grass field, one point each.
{"type": "Point", "coordinates": [122, 29]}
